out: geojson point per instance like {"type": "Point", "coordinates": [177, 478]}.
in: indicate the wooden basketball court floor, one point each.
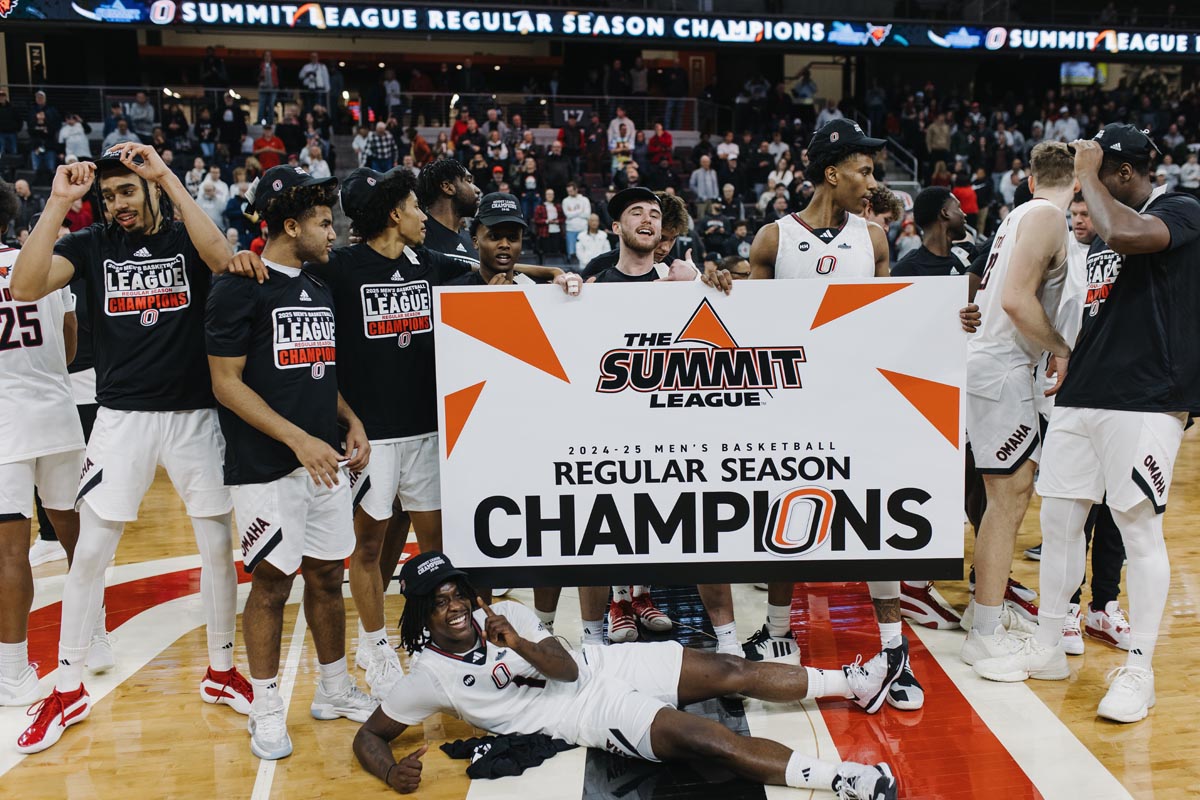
{"type": "Point", "coordinates": [150, 736]}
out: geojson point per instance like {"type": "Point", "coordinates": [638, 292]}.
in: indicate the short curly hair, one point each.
{"type": "Point", "coordinates": [372, 220]}
{"type": "Point", "coordinates": [884, 202]}
{"type": "Point", "coordinates": [297, 203]}
{"type": "Point", "coordinates": [674, 214]}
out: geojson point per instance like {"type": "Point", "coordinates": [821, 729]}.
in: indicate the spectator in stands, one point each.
{"type": "Point", "coordinates": [1189, 175]}
{"type": "Point", "coordinates": [937, 139]}
{"type": "Point", "coordinates": [621, 120]}
{"type": "Point", "coordinates": [359, 145]}
{"type": "Point", "coordinates": [460, 124]}
{"type": "Point", "coordinates": [1172, 140]}
{"type": "Point", "coordinates": [515, 131]}
{"type": "Point", "coordinates": [548, 222]}
{"type": "Point", "coordinates": [779, 209]}
{"type": "Point", "coordinates": [212, 205]}
{"type": "Point", "coordinates": [313, 134]}
{"type": "Point", "coordinates": [1065, 128]}
{"type": "Point", "coordinates": [732, 205]}
{"type": "Point", "coordinates": [235, 214]}
{"type": "Point", "coordinates": [731, 172]}
{"type": "Point", "coordinates": [496, 149]}
{"type": "Point", "coordinates": [630, 176]}
{"type": "Point", "coordinates": [967, 198]}
{"type": "Point", "coordinates": [231, 125]}
{"type": "Point", "coordinates": [984, 195]}
{"type": "Point", "coordinates": [640, 152]}
{"type": "Point", "coordinates": [469, 82]}
{"type": "Point", "coordinates": [317, 166]}
{"type": "Point", "coordinates": [908, 240]}
{"type": "Point", "coordinates": [290, 130]}
{"type": "Point", "coordinates": [591, 242]}
{"type": "Point", "coordinates": [621, 147]}
{"type": "Point", "coordinates": [420, 150]}
{"type": "Point", "coordinates": [675, 87]}
{"type": "Point", "coordinates": [471, 142]}
{"type": "Point", "coordinates": [79, 216]}
{"type": "Point", "coordinates": [205, 133]}
{"type": "Point", "coordinates": [576, 208]}
{"type": "Point", "coordinates": [73, 137]}
{"type": "Point", "coordinates": [52, 120]}
{"type": "Point", "coordinates": [557, 169]}
{"type": "Point", "coordinates": [705, 184]}
{"type": "Point", "coordinates": [314, 77]}
{"type": "Point", "coordinates": [1009, 183]}
{"type": "Point", "coordinates": [141, 117]}
{"type": "Point", "coordinates": [392, 96]}
{"type": "Point", "coordinates": [269, 148]}
{"type": "Point", "coordinates": [728, 148]}
{"type": "Point", "coordinates": [380, 148]}
{"type": "Point", "coordinates": [176, 129]}
{"type": "Point", "coordinates": [661, 146]}
{"type": "Point", "coordinates": [829, 113]}
{"type": "Point", "coordinates": [43, 145]}
{"type": "Point", "coordinates": [213, 75]}
{"type": "Point", "coordinates": [571, 137]}
{"type": "Point", "coordinates": [529, 184]}
{"type": "Point", "coordinates": [596, 144]}
{"type": "Point", "coordinates": [30, 204]}
{"type": "Point", "coordinates": [494, 181]}
{"type": "Point", "coordinates": [1170, 171]}
{"type": "Point", "coordinates": [214, 177]}
{"type": "Point", "coordinates": [782, 173]}
{"type": "Point", "coordinates": [759, 167]}
{"type": "Point", "coordinates": [268, 86]}
{"type": "Point", "coordinates": [10, 124]}
{"type": "Point", "coordinates": [115, 112]}
{"type": "Point", "coordinates": [420, 89]}
{"type": "Point", "coordinates": [494, 123]}
{"type": "Point", "coordinates": [481, 171]}
{"type": "Point", "coordinates": [195, 176]}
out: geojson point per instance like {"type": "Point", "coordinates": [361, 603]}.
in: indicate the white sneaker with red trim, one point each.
{"type": "Point", "coordinates": [921, 604]}
{"type": "Point", "coordinates": [1109, 625]}
{"type": "Point", "coordinates": [51, 717]}
{"type": "Point", "coordinates": [22, 691]}
{"type": "Point", "coordinates": [648, 615]}
{"type": "Point", "coordinates": [622, 625]}
{"type": "Point", "coordinates": [1072, 639]}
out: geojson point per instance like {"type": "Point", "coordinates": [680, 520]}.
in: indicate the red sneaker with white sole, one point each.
{"type": "Point", "coordinates": [921, 604]}
{"type": "Point", "coordinates": [1020, 599]}
{"type": "Point", "coordinates": [622, 625]}
{"type": "Point", "coordinates": [648, 615]}
{"type": "Point", "coordinates": [228, 688]}
{"type": "Point", "coordinates": [51, 717]}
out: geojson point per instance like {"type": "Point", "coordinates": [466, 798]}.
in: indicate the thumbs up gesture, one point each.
{"type": "Point", "coordinates": [405, 775]}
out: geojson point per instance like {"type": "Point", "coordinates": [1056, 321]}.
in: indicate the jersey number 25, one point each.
{"type": "Point", "coordinates": [19, 327]}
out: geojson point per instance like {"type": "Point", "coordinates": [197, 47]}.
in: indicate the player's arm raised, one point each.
{"type": "Point", "coordinates": [373, 748]}
{"type": "Point", "coordinates": [1038, 245]}
{"type": "Point", "coordinates": [37, 271]}
{"type": "Point", "coordinates": [1123, 229]}
{"type": "Point", "coordinates": [547, 656]}
{"type": "Point", "coordinates": [763, 250]}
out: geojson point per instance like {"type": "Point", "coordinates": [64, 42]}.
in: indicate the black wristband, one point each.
{"type": "Point", "coordinates": [387, 776]}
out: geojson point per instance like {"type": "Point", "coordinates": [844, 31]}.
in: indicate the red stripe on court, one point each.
{"type": "Point", "coordinates": [125, 601]}
{"type": "Point", "coordinates": [940, 752]}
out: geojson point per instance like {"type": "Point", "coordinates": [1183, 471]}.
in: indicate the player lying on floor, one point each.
{"type": "Point", "coordinates": [500, 670]}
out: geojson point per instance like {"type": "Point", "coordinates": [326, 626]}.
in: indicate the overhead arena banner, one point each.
{"type": "Point", "coordinates": [475, 21]}
{"type": "Point", "coordinates": [666, 433]}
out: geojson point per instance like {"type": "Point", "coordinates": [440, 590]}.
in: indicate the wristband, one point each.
{"type": "Point", "coordinates": [387, 776]}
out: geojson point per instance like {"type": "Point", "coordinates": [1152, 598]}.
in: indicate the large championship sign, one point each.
{"type": "Point", "coordinates": [666, 433]}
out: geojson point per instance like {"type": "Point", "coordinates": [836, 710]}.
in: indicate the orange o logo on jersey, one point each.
{"type": "Point", "coordinates": [798, 521]}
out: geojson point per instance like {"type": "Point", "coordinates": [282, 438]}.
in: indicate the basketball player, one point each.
{"type": "Point", "coordinates": [1019, 296]}
{"type": "Point", "coordinates": [272, 354]}
{"type": "Point", "coordinates": [147, 280]}
{"type": "Point", "coordinates": [1105, 619]}
{"type": "Point", "coordinates": [638, 218]}
{"type": "Point", "coordinates": [1121, 411]}
{"type": "Point", "coordinates": [828, 239]}
{"type": "Point", "coordinates": [621, 698]}
{"type": "Point", "coordinates": [43, 448]}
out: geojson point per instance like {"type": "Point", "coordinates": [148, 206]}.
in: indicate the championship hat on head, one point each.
{"type": "Point", "coordinates": [278, 180]}
{"type": "Point", "coordinates": [1126, 141]}
{"type": "Point", "coordinates": [839, 135]}
{"type": "Point", "coordinates": [627, 197]}
{"type": "Point", "coordinates": [359, 186]}
{"type": "Point", "coordinates": [423, 574]}
{"type": "Point", "coordinates": [112, 157]}
{"type": "Point", "coordinates": [500, 207]}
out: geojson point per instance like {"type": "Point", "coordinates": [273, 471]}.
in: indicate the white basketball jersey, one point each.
{"type": "Point", "coordinates": [37, 409]}
{"type": "Point", "coordinates": [1070, 307]}
{"type": "Point", "coordinates": [845, 252]}
{"type": "Point", "coordinates": [997, 337]}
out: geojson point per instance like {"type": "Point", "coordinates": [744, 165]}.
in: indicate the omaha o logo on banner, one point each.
{"type": "Point", "coordinates": [798, 521]}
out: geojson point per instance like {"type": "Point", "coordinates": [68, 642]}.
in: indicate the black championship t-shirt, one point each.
{"type": "Point", "coordinates": [285, 329]}
{"type": "Point", "coordinates": [614, 275]}
{"type": "Point", "coordinates": [923, 262]}
{"type": "Point", "coordinates": [1139, 348]}
{"type": "Point", "coordinates": [145, 297]}
{"type": "Point", "coordinates": [472, 278]}
{"type": "Point", "coordinates": [610, 259]}
{"type": "Point", "coordinates": [385, 316]}
{"type": "Point", "coordinates": [456, 244]}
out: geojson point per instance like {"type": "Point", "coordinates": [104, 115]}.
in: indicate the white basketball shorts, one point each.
{"type": "Point", "coordinates": [406, 469]}
{"type": "Point", "coordinates": [56, 477]}
{"type": "Point", "coordinates": [1002, 423]}
{"type": "Point", "coordinates": [283, 521]}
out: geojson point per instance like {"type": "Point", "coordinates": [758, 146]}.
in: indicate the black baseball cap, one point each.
{"type": "Point", "coordinates": [424, 573]}
{"type": "Point", "coordinates": [1126, 141]}
{"type": "Point", "coordinates": [112, 157]}
{"type": "Point", "coordinates": [627, 197]}
{"type": "Point", "coordinates": [839, 134]}
{"type": "Point", "coordinates": [278, 180]}
{"type": "Point", "coordinates": [359, 186]}
{"type": "Point", "coordinates": [500, 207]}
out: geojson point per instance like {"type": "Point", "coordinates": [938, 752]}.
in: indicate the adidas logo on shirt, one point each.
{"type": "Point", "coordinates": [826, 234]}
{"type": "Point", "coordinates": [142, 253]}
{"type": "Point", "coordinates": [396, 276]}
{"type": "Point", "coordinates": [460, 248]}
{"type": "Point", "coordinates": [304, 296]}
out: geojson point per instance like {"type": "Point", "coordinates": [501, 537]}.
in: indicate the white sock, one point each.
{"type": "Point", "coordinates": [638, 591]}
{"type": "Point", "coordinates": [986, 618]}
{"type": "Point", "coordinates": [593, 631]}
{"type": "Point", "coordinates": [621, 594]}
{"type": "Point", "coordinates": [334, 675]}
{"type": "Point", "coordinates": [889, 631]}
{"type": "Point", "coordinates": [14, 659]}
{"type": "Point", "coordinates": [806, 772]}
{"type": "Point", "coordinates": [376, 638]}
{"type": "Point", "coordinates": [546, 617]}
{"type": "Point", "coordinates": [827, 683]}
{"type": "Point", "coordinates": [727, 638]}
{"type": "Point", "coordinates": [779, 620]}
{"type": "Point", "coordinates": [220, 650]}
{"type": "Point", "coordinates": [265, 687]}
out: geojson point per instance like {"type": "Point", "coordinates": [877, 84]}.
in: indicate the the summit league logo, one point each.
{"type": "Point", "coordinates": [700, 367]}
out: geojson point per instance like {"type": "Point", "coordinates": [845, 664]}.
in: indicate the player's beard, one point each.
{"type": "Point", "coordinates": [630, 240]}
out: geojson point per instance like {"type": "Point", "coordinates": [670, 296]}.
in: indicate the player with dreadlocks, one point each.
{"type": "Point", "coordinates": [146, 280]}
{"type": "Point", "coordinates": [623, 698]}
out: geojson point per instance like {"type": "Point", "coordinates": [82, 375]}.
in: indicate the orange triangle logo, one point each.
{"type": "Point", "coordinates": [936, 402]}
{"type": "Point", "coordinates": [506, 321]}
{"type": "Point", "coordinates": [459, 406]}
{"type": "Point", "coordinates": [705, 326]}
{"type": "Point", "coordinates": [842, 298]}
